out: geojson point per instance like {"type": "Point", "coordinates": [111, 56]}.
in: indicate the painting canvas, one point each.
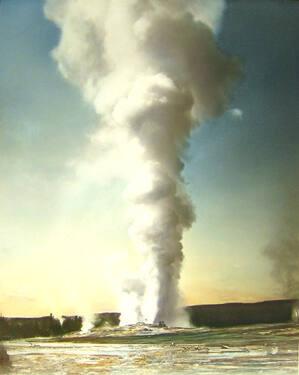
{"type": "Point", "coordinates": [149, 190]}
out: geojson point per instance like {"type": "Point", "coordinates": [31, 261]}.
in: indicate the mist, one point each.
{"type": "Point", "coordinates": [283, 249]}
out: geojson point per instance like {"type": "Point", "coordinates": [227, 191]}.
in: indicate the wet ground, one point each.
{"type": "Point", "coordinates": [266, 349]}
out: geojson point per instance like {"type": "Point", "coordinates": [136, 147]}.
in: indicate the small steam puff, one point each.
{"type": "Point", "coordinates": [153, 71]}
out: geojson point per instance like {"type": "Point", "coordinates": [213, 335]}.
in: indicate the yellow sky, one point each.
{"type": "Point", "coordinates": [79, 268]}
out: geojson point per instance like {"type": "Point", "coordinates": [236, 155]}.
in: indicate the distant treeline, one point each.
{"type": "Point", "coordinates": [12, 328]}
{"type": "Point", "coordinates": [222, 315]}
{"type": "Point", "coordinates": [107, 318]}
{"type": "Point", "coordinates": [46, 326]}
{"type": "Point", "coordinates": [235, 314]}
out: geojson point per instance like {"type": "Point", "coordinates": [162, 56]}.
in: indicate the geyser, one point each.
{"type": "Point", "coordinates": [153, 71]}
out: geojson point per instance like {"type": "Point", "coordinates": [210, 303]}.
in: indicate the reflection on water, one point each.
{"type": "Point", "coordinates": [247, 350]}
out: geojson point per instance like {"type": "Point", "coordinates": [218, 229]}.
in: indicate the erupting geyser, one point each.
{"type": "Point", "coordinates": [153, 71]}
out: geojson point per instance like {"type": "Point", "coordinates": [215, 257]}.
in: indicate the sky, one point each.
{"type": "Point", "coordinates": [64, 246]}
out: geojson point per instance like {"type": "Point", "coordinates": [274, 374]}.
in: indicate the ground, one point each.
{"type": "Point", "coordinates": [263, 349]}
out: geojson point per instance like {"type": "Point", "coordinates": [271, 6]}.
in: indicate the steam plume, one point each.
{"type": "Point", "coordinates": [283, 250]}
{"type": "Point", "coordinates": [153, 71]}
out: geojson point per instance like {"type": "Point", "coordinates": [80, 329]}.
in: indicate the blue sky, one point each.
{"type": "Point", "coordinates": [238, 168]}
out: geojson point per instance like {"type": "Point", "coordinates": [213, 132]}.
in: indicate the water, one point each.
{"type": "Point", "coordinates": [264, 349]}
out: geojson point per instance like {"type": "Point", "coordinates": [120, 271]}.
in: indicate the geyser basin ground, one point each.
{"type": "Point", "coordinates": [267, 349]}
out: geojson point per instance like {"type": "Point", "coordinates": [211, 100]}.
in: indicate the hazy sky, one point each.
{"type": "Point", "coordinates": [63, 238]}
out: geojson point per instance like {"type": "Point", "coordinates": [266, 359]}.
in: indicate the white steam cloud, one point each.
{"type": "Point", "coordinates": [153, 71]}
